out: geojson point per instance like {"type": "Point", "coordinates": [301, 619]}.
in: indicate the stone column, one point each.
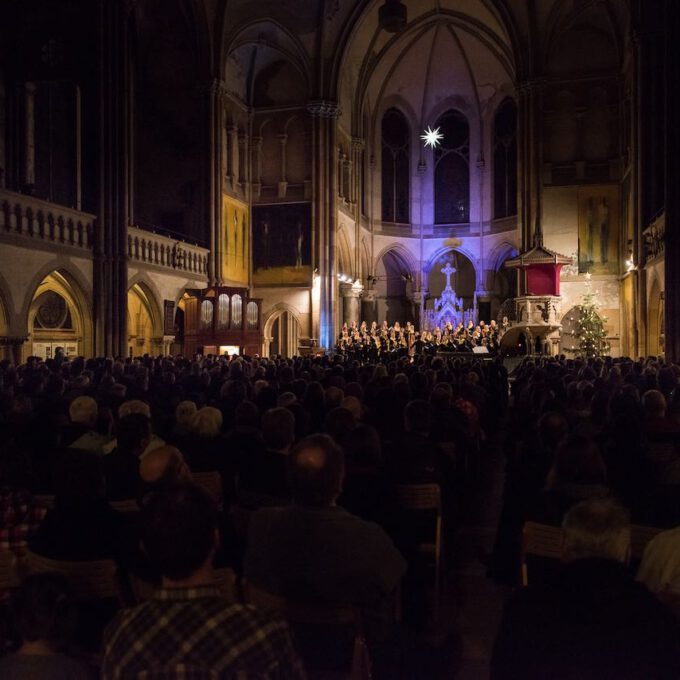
{"type": "Point", "coordinates": [324, 211]}
{"type": "Point", "coordinates": [355, 191]}
{"type": "Point", "coordinates": [115, 149]}
{"type": "Point", "coordinates": [283, 183]}
{"type": "Point", "coordinates": [231, 160]}
{"type": "Point", "coordinates": [530, 143]}
{"type": "Point", "coordinates": [29, 138]}
{"type": "Point", "coordinates": [369, 312]}
{"type": "Point", "coordinates": [243, 158]}
{"type": "Point", "coordinates": [257, 178]}
{"type": "Point", "coordinates": [351, 302]}
{"type": "Point", "coordinates": [672, 154]}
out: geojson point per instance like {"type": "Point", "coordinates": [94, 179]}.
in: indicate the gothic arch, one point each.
{"type": "Point", "coordinates": [145, 321]}
{"type": "Point", "coordinates": [68, 286]}
{"type": "Point", "coordinates": [402, 253]}
{"type": "Point", "coordinates": [281, 338]}
{"type": "Point", "coordinates": [345, 259]}
{"type": "Point", "coordinates": [655, 325]}
{"type": "Point", "coordinates": [499, 254]}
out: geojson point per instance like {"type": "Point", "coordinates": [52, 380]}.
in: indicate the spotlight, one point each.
{"type": "Point", "coordinates": [392, 16]}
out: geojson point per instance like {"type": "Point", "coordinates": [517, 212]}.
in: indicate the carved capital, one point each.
{"type": "Point", "coordinates": [320, 108]}
{"type": "Point", "coordinates": [358, 143]}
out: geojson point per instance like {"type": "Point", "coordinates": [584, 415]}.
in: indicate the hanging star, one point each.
{"type": "Point", "coordinates": [432, 137]}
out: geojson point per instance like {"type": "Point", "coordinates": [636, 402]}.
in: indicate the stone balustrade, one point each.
{"type": "Point", "coordinates": [155, 249]}
{"type": "Point", "coordinates": [33, 218]}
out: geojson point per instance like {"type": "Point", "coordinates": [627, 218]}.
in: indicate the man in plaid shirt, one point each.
{"type": "Point", "coordinates": [187, 631]}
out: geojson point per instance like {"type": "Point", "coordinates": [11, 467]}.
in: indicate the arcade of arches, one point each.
{"type": "Point", "coordinates": [253, 145]}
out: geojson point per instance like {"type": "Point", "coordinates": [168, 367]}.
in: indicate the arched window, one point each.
{"type": "Point", "coordinates": [223, 311]}
{"type": "Point", "coordinates": [236, 311]}
{"type": "Point", "coordinates": [206, 314]}
{"type": "Point", "coordinates": [452, 170]}
{"type": "Point", "coordinates": [505, 160]}
{"type": "Point", "coordinates": [396, 139]}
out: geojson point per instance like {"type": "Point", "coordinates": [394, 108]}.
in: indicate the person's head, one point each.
{"type": "Point", "coordinates": [338, 422]}
{"type": "Point", "coordinates": [43, 610]}
{"type": "Point", "coordinates": [133, 433]}
{"type": "Point", "coordinates": [247, 415]}
{"type": "Point", "coordinates": [597, 528]}
{"type": "Point", "coordinates": [577, 461]}
{"type": "Point", "coordinates": [83, 411]}
{"type": "Point", "coordinates": [286, 399]}
{"type": "Point", "coordinates": [179, 530]}
{"type": "Point", "coordinates": [184, 413]}
{"type": "Point", "coordinates": [207, 421]}
{"type": "Point", "coordinates": [353, 405]}
{"type": "Point", "coordinates": [552, 429]}
{"type": "Point", "coordinates": [316, 468]}
{"type": "Point", "coordinates": [164, 465]}
{"type": "Point", "coordinates": [333, 397]}
{"type": "Point", "coordinates": [79, 479]}
{"type": "Point", "coordinates": [127, 408]}
{"type": "Point", "coordinates": [278, 429]}
{"type": "Point", "coordinates": [418, 416]}
{"type": "Point", "coordinates": [654, 404]}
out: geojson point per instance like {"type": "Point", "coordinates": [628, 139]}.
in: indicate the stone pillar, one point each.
{"type": "Point", "coordinates": [324, 210]}
{"type": "Point", "coordinates": [257, 175]}
{"type": "Point", "coordinates": [231, 153]}
{"type": "Point", "coordinates": [530, 143]}
{"type": "Point", "coordinates": [351, 302]}
{"type": "Point", "coordinates": [115, 151]}
{"type": "Point", "coordinates": [369, 312]}
{"type": "Point", "coordinates": [29, 138]}
{"type": "Point", "coordinates": [672, 154]}
{"type": "Point", "coordinates": [283, 183]}
{"type": "Point", "coordinates": [12, 348]}
{"type": "Point", "coordinates": [242, 156]}
{"type": "Point", "coordinates": [355, 189]}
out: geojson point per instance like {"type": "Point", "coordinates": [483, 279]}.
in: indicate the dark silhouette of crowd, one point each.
{"type": "Point", "coordinates": [108, 459]}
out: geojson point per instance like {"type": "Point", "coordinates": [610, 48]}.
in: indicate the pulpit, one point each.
{"type": "Point", "coordinates": [222, 319]}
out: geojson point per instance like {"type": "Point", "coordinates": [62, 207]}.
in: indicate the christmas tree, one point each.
{"type": "Point", "coordinates": [589, 331]}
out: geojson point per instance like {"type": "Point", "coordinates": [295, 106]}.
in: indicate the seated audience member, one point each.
{"type": "Point", "coordinates": [660, 566]}
{"type": "Point", "coordinates": [83, 413]}
{"type": "Point", "coordinates": [592, 620]}
{"type": "Point", "coordinates": [127, 408]}
{"type": "Point", "coordinates": [184, 418]}
{"type": "Point", "coordinates": [262, 475]}
{"type": "Point", "coordinates": [121, 466]}
{"type": "Point", "coordinates": [82, 526]}
{"type": "Point", "coordinates": [162, 466]}
{"type": "Point", "coordinates": [204, 449]}
{"type": "Point", "coordinates": [43, 615]}
{"type": "Point", "coordinates": [577, 474]}
{"type": "Point", "coordinates": [188, 629]}
{"type": "Point", "coordinates": [314, 549]}
{"type": "Point", "coordinates": [662, 435]}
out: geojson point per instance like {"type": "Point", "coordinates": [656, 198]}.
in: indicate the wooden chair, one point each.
{"type": "Point", "coordinates": [94, 580]}
{"type": "Point", "coordinates": [304, 613]}
{"type": "Point", "coordinates": [417, 497]}
{"type": "Point", "coordinates": [639, 537]}
{"type": "Point", "coordinates": [540, 540]}
{"type": "Point", "coordinates": [210, 482]}
{"type": "Point", "coordinates": [128, 505]}
{"type": "Point", "coordinates": [10, 571]}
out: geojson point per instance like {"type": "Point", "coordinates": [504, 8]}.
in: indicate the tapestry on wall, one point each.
{"type": "Point", "coordinates": [598, 229]}
{"type": "Point", "coordinates": [235, 245]}
{"type": "Point", "coordinates": [282, 244]}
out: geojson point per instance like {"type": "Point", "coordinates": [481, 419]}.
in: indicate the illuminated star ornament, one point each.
{"type": "Point", "coordinates": [432, 137]}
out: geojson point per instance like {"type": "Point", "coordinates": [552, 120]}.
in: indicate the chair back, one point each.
{"type": "Point", "coordinates": [540, 540]}
{"type": "Point", "coordinates": [312, 614]}
{"type": "Point", "coordinates": [93, 580]}
{"type": "Point", "coordinates": [639, 537]}
{"type": "Point", "coordinates": [127, 505]}
{"type": "Point", "coordinates": [211, 482]}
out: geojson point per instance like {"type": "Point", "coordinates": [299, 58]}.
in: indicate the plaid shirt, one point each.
{"type": "Point", "coordinates": [194, 634]}
{"type": "Point", "coordinates": [20, 517]}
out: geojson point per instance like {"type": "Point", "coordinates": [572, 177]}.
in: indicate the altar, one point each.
{"type": "Point", "coordinates": [448, 309]}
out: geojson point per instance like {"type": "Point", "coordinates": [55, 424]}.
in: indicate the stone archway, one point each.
{"type": "Point", "coordinates": [282, 332]}
{"type": "Point", "coordinates": [144, 321]}
{"type": "Point", "coordinates": [463, 280]}
{"type": "Point", "coordinates": [394, 280]}
{"type": "Point", "coordinates": [59, 316]}
{"type": "Point", "coordinates": [655, 324]}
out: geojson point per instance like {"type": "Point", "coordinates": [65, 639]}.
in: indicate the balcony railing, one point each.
{"type": "Point", "coordinates": [33, 218]}
{"type": "Point", "coordinates": [155, 249]}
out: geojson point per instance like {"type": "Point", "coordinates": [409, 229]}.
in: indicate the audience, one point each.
{"type": "Point", "coordinates": [592, 620]}
{"type": "Point", "coordinates": [188, 629]}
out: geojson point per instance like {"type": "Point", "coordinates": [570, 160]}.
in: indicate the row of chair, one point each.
{"type": "Point", "coordinates": [546, 541]}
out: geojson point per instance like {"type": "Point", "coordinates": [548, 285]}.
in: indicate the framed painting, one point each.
{"type": "Point", "coordinates": [282, 244]}
{"type": "Point", "coordinates": [599, 226]}
{"type": "Point", "coordinates": [235, 241]}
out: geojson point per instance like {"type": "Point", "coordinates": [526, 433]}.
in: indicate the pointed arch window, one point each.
{"type": "Point", "coordinates": [452, 170]}
{"type": "Point", "coordinates": [396, 176]}
{"type": "Point", "coordinates": [505, 160]}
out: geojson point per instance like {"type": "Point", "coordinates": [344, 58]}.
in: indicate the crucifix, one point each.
{"type": "Point", "coordinates": [447, 271]}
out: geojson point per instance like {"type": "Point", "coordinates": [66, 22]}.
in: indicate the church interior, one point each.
{"type": "Point", "coordinates": [360, 314]}
{"type": "Point", "coordinates": [148, 149]}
